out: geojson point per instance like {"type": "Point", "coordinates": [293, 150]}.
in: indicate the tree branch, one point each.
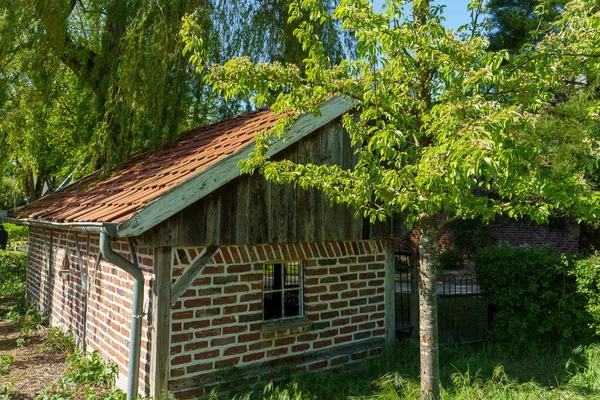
{"type": "Point", "coordinates": [78, 58]}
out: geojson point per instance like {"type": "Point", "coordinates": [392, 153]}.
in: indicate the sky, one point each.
{"type": "Point", "coordinates": [455, 12]}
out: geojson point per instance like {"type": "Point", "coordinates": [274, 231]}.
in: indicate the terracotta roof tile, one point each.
{"type": "Point", "coordinates": [145, 177]}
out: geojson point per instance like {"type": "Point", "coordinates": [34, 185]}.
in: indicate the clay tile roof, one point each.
{"type": "Point", "coordinates": [146, 177]}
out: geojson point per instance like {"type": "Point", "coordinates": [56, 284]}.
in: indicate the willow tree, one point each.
{"type": "Point", "coordinates": [442, 126]}
{"type": "Point", "coordinates": [84, 83]}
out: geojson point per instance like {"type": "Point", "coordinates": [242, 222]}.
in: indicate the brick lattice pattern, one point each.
{"type": "Point", "coordinates": [218, 322]}
{"type": "Point", "coordinates": [54, 283]}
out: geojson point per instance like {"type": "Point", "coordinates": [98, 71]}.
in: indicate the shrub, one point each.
{"type": "Point", "coordinates": [6, 361]}
{"type": "Point", "coordinates": [33, 319]}
{"type": "Point", "coordinates": [90, 368]}
{"type": "Point", "coordinates": [87, 374]}
{"type": "Point", "coordinates": [59, 340]}
{"type": "Point", "coordinates": [17, 234]}
{"type": "Point", "coordinates": [450, 260]}
{"type": "Point", "coordinates": [13, 267]}
{"type": "Point", "coordinates": [471, 235]}
{"type": "Point", "coordinates": [532, 292]}
{"type": "Point", "coordinates": [587, 273]}
{"type": "Point", "coordinates": [26, 315]}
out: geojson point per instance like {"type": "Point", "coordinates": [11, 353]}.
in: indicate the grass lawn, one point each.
{"type": "Point", "coordinates": [488, 371]}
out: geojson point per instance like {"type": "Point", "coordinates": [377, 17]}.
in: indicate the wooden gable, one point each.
{"type": "Point", "coordinates": [251, 210]}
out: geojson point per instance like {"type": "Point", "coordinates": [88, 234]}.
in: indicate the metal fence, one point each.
{"type": "Point", "coordinates": [462, 305]}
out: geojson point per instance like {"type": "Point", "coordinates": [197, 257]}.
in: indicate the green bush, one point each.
{"type": "Point", "coordinates": [6, 361]}
{"type": "Point", "coordinates": [59, 340]}
{"type": "Point", "coordinates": [13, 267]}
{"type": "Point", "coordinates": [86, 372]}
{"type": "Point", "coordinates": [90, 368]}
{"type": "Point", "coordinates": [450, 260]}
{"type": "Point", "coordinates": [532, 293]}
{"type": "Point", "coordinates": [587, 273]}
{"type": "Point", "coordinates": [17, 235]}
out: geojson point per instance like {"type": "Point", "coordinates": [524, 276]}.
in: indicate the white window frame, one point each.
{"type": "Point", "coordinates": [283, 290]}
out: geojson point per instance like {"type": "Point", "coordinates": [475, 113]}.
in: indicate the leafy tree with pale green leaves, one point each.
{"type": "Point", "coordinates": [442, 126]}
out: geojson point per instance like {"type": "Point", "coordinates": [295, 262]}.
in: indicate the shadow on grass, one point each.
{"type": "Point", "coordinates": [526, 371]}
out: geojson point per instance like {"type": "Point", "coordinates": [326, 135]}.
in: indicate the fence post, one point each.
{"type": "Point", "coordinates": [414, 295]}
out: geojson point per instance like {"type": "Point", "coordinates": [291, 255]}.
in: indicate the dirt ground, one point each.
{"type": "Point", "coordinates": [34, 367]}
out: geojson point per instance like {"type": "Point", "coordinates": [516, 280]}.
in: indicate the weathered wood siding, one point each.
{"type": "Point", "coordinates": [251, 210]}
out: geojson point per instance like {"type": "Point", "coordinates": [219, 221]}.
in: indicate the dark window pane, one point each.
{"type": "Point", "coordinates": [292, 303]}
{"type": "Point", "coordinates": [272, 305]}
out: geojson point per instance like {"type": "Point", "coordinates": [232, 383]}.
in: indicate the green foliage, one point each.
{"type": "Point", "coordinates": [6, 361]}
{"type": "Point", "coordinates": [471, 235]}
{"type": "Point", "coordinates": [11, 192]}
{"type": "Point", "coordinates": [490, 371]}
{"type": "Point", "coordinates": [13, 269]}
{"type": "Point", "coordinates": [112, 394]}
{"type": "Point", "coordinates": [86, 372]}
{"type": "Point", "coordinates": [16, 233]}
{"type": "Point", "coordinates": [90, 368]}
{"type": "Point", "coordinates": [514, 22]}
{"type": "Point", "coordinates": [58, 339]}
{"type": "Point", "coordinates": [84, 84]}
{"type": "Point", "coordinates": [60, 390]}
{"type": "Point", "coordinates": [26, 315]}
{"type": "Point", "coordinates": [587, 273]}
{"type": "Point", "coordinates": [437, 115]}
{"type": "Point", "coordinates": [8, 389]}
{"type": "Point", "coordinates": [33, 319]}
{"type": "Point", "coordinates": [532, 292]}
{"type": "Point", "coordinates": [450, 260]}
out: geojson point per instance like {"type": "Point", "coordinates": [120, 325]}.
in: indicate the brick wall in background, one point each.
{"type": "Point", "coordinates": [564, 236]}
{"type": "Point", "coordinates": [218, 321]}
{"type": "Point", "coordinates": [55, 285]}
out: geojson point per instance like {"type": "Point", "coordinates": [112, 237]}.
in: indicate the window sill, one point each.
{"type": "Point", "coordinates": [286, 327]}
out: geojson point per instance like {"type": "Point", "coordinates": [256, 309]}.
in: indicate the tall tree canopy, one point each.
{"type": "Point", "coordinates": [84, 83]}
{"type": "Point", "coordinates": [444, 129]}
{"type": "Point", "coordinates": [514, 21]}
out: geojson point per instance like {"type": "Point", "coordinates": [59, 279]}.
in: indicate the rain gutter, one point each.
{"type": "Point", "coordinates": [91, 227]}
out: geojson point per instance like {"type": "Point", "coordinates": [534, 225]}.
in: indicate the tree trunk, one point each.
{"type": "Point", "coordinates": [428, 324]}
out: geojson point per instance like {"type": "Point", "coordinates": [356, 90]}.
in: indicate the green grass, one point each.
{"type": "Point", "coordinates": [490, 371]}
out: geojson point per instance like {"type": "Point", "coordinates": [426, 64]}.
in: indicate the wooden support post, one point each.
{"type": "Point", "coordinates": [161, 324]}
{"type": "Point", "coordinates": [191, 273]}
{"type": "Point", "coordinates": [390, 292]}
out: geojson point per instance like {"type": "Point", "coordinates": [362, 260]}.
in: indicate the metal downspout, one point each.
{"type": "Point", "coordinates": [136, 310]}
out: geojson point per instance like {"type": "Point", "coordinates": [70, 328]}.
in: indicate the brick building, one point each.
{"type": "Point", "coordinates": [562, 234]}
{"type": "Point", "coordinates": [214, 269]}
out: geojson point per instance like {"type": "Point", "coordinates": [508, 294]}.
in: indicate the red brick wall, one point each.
{"type": "Point", "coordinates": [564, 238]}
{"type": "Point", "coordinates": [218, 321]}
{"type": "Point", "coordinates": [110, 293]}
